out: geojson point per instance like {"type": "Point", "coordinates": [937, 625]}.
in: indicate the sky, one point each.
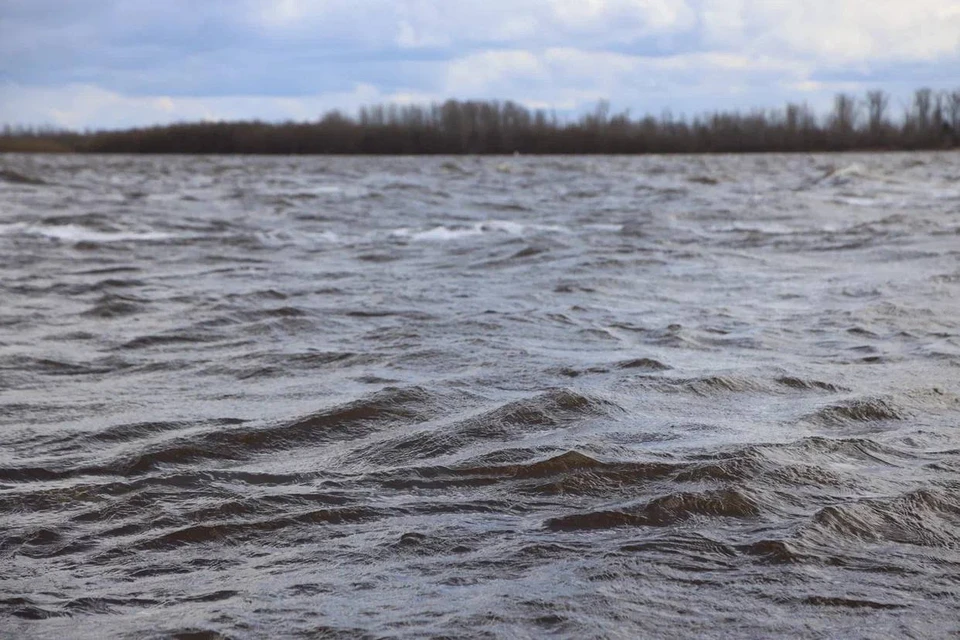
{"type": "Point", "coordinates": [115, 63]}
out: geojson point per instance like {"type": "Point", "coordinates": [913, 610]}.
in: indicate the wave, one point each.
{"type": "Point", "coordinates": [805, 384]}
{"type": "Point", "coordinates": [16, 177]}
{"type": "Point", "coordinates": [234, 532]}
{"type": "Point", "coordinates": [346, 422]}
{"type": "Point", "coordinates": [844, 175]}
{"type": "Point", "coordinates": [919, 518]}
{"type": "Point", "coordinates": [858, 410]}
{"type": "Point", "coordinates": [815, 464]}
{"type": "Point", "coordinates": [80, 234]}
{"type": "Point", "coordinates": [645, 364]}
{"type": "Point", "coordinates": [568, 473]}
{"type": "Point", "coordinates": [456, 232]}
{"type": "Point", "coordinates": [114, 306]}
{"type": "Point", "coordinates": [57, 367]}
{"type": "Point", "coordinates": [546, 411]}
{"type": "Point", "coordinates": [229, 441]}
{"type": "Point", "coordinates": [454, 167]}
{"type": "Point", "coordinates": [711, 385]}
{"type": "Point", "coordinates": [664, 511]}
{"type": "Point", "coordinates": [704, 180]}
{"type": "Point", "coordinates": [716, 385]}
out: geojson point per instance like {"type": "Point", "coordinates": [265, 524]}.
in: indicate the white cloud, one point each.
{"type": "Point", "coordinates": [482, 72]}
{"type": "Point", "coordinates": [837, 31]}
{"type": "Point", "coordinates": [282, 13]}
{"type": "Point", "coordinates": [565, 75]}
{"type": "Point", "coordinates": [832, 31]}
{"type": "Point", "coordinates": [431, 23]}
{"type": "Point", "coordinates": [88, 106]}
{"type": "Point", "coordinates": [648, 15]}
{"type": "Point", "coordinates": [639, 17]}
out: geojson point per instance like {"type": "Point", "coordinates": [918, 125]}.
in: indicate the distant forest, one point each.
{"type": "Point", "coordinates": [931, 120]}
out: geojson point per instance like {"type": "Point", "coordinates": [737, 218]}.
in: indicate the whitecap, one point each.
{"type": "Point", "coordinates": [328, 236]}
{"type": "Point", "coordinates": [446, 233]}
{"type": "Point", "coordinates": [10, 229]}
{"type": "Point", "coordinates": [505, 227]}
{"type": "Point", "coordinates": [78, 233]}
{"type": "Point", "coordinates": [604, 227]}
{"type": "Point", "coordinates": [857, 201]}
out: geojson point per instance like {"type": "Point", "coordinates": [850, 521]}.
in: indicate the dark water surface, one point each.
{"type": "Point", "coordinates": [513, 397]}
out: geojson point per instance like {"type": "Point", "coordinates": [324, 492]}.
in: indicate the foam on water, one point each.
{"type": "Point", "coordinates": [78, 233]}
{"type": "Point", "coordinates": [447, 233]}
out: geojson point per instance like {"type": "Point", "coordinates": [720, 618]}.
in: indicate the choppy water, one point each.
{"type": "Point", "coordinates": [416, 397]}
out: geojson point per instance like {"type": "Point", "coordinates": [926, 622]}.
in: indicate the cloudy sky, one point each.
{"type": "Point", "coordinates": [113, 63]}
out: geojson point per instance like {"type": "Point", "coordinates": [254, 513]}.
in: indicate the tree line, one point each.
{"type": "Point", "coordinates": [931, 120]}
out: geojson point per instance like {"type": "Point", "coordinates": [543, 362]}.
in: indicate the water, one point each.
{"type": "Point", "coordinates": [512, 397]}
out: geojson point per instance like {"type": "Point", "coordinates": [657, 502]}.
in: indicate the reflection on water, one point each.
{"type": "Point", "coordinates": [619, 397]}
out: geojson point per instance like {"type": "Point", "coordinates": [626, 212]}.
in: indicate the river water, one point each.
{"type": "Point", "coordinates": [507, 397]}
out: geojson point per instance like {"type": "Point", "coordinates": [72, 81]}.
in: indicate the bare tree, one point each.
{"type": "Point", "coordinates": [843, 120]}
{"type": "Point", "coordinates": [953, 110]}
{"type": "Point", "coordinates": [792, 118]}
{"type": "Point", "coordinates": [877, 103]}
{"type": "Point", "coordinates": [922, 108]}
{"type": "Point", "coordinates": [932, 121]}
{"type": "Point", "coordinates": [938, 116]}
